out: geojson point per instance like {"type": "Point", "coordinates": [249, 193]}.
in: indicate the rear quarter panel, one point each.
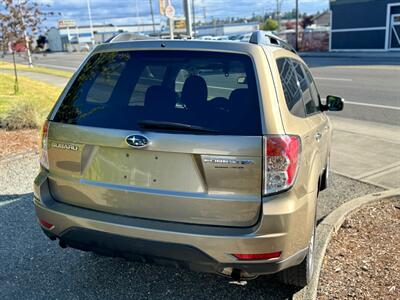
{"type": "Point", "coordinates": [309, 169]}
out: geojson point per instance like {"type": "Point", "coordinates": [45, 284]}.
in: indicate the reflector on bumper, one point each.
{"type": "Point", "coordinates": [45, 224]}
{"type": "Point", "coordinates": [259, 256]}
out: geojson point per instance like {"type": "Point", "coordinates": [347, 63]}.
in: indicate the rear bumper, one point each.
{"type": "Point", "coordinates": [163, 253]}
{"type": "Point", "coordinates": [283, 227]}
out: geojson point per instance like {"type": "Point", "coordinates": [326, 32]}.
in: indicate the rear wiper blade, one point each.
{"type": "Point", "coordinates": [173, 126]}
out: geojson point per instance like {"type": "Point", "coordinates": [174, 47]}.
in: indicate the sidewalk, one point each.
{"type": "Point", "coordinates": [46, 78]}
{"type": "Point", "coordinates": [366, 151]}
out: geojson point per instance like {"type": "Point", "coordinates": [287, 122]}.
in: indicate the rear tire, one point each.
{"type": "Point", "coordinates": [301, 274]}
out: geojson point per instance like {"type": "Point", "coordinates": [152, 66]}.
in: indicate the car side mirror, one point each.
{"type": "Point", "coordinates": [334, 103]}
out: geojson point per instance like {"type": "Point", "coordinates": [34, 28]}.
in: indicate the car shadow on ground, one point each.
{"type": "Point", "coordinates": [35, 267]}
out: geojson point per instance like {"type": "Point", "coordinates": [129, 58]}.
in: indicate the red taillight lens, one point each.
{"type": "Point", "coordinates": [260, 256]}
{"type": "Point", "coordinates": [46, 225]}
{"type": "Point", "coordinates": [281, 161]}
{"type": "Point", "coordinates": [44, 159]}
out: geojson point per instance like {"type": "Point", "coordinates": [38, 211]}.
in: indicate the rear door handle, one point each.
{"type": "Point", "coordinates": [318, 136]}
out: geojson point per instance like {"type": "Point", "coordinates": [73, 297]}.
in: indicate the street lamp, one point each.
{"type": "Point", "coordinates": [152, 16]}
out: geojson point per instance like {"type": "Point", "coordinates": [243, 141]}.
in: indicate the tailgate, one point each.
{"type": "Point", "coordinates": [202, 179]}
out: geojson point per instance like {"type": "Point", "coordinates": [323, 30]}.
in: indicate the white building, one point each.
{"type": "Point", "coordinates": [77, 38]}
{"type": "Point", "coordinates": [227, 29]}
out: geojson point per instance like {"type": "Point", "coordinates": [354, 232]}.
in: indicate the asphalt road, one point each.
{"type": "Point", "coordinates": [369, 84]}
{"type": "Point", "coordinates": [33, 267]}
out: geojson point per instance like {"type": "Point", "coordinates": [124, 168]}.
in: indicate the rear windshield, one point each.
{"type": "Point", "coordinates": [124, 90]}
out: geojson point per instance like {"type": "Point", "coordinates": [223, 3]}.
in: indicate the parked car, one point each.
{"type": "Point", "coordinates": [207, 155]}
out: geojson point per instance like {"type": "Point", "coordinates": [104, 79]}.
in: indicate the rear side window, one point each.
{"type": "Point", "coordinates": [310, 105]}
{"type": "Point", "coordinates": [313, 89]}
{"type": "Point", "coordinates": [293, 94]}
{"type": "Point", "coordinates": [120, 90]}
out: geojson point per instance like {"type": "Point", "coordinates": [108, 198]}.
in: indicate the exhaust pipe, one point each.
{"type": "Point", "coordinates": [237, 278]}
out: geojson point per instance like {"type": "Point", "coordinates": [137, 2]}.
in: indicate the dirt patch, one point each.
{"type": "Point", "coordinates": [19, 141]}
{"type": "Point", "coordinates": [363, 258]}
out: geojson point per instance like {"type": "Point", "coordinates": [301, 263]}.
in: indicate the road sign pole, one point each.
{"type": "Point", "coordinates": [171, 28]}
{"type": "Point", "coordinates": [26, 38]}
{"type": "Point", "coordinates": [170, 13]}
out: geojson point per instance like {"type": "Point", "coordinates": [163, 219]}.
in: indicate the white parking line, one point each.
{"type": "Point", "coordinates": [373, 105]}
{"type": "Point", "coordinates": [332, 78]}
{"type": "Point", "coordinates": [4, 203]}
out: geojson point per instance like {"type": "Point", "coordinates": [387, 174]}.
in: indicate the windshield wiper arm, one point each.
{"type": "Point", "coordinates": [173, 126]}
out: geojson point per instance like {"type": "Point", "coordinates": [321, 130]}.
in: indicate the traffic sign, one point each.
{"type": "Point", "coordinates": [169, 11]}
{"type": "Point", "coordinates": [162, 4]}
{"type": "Point", "coordinates": [66, 23]}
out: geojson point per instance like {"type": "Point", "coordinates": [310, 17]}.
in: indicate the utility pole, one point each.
{"type": "Point", "coordinates": [297, 25]}
{"type": "Point", "coordinates": [90, 21]}
{"type": "Point", "coordinates": [188, 17]}
{"type": "Point", "coordinates": [152, 16]}
{"type": "Point", "coordinates": [194, 19]}
{"type": "Point", "coordinates": [278, 15]}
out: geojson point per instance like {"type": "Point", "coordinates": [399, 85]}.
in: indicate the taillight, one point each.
{"type": "Point", "coordinates": [281, 162]}
{"type": "Point", "coordinates": [44, 159]}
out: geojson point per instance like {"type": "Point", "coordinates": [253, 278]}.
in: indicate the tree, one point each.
{"type": "Point", "coordinates": [307, 21]}
{"type": "Point", "coordinates": [17, 19]}
{"type": "Point", "coordinates": [270, 24]}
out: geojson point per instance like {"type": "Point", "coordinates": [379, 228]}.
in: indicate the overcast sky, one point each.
{"type": "Point", "coordinates": [136, 11]}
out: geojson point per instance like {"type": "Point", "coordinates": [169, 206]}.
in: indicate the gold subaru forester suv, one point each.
{"type": "Point", "coordinates": [203, 154]}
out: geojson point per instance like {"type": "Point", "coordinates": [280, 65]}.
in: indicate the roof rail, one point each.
{"type": "Point", "coordinates": [128, 36]}
{"type": "Point", "coordinates": [261, 37]}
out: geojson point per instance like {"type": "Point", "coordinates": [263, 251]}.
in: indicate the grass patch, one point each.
{"type": "Point", "coordinates": [30, 106]}
{"type": "Point", "coordinates": [36, 69]}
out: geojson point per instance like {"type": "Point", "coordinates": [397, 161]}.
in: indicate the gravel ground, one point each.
{"type": "Point", "coordinates": [341, 190]}
{"type": "Point", "coordinates": [34, 267]}
{"type": "Point", "coordinates": [20, 141]}
{"type": "Point", "coordinates": [362, 260]}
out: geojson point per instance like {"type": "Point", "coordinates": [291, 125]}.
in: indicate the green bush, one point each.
{"type": "Point", "coordinates": [29, 107]}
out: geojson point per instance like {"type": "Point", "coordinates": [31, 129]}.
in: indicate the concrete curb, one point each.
{"type": "Point", "coordinates": [331, 224]}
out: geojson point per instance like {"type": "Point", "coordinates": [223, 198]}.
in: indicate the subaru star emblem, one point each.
{"type": "Point", "coordinates": [137, 141]}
